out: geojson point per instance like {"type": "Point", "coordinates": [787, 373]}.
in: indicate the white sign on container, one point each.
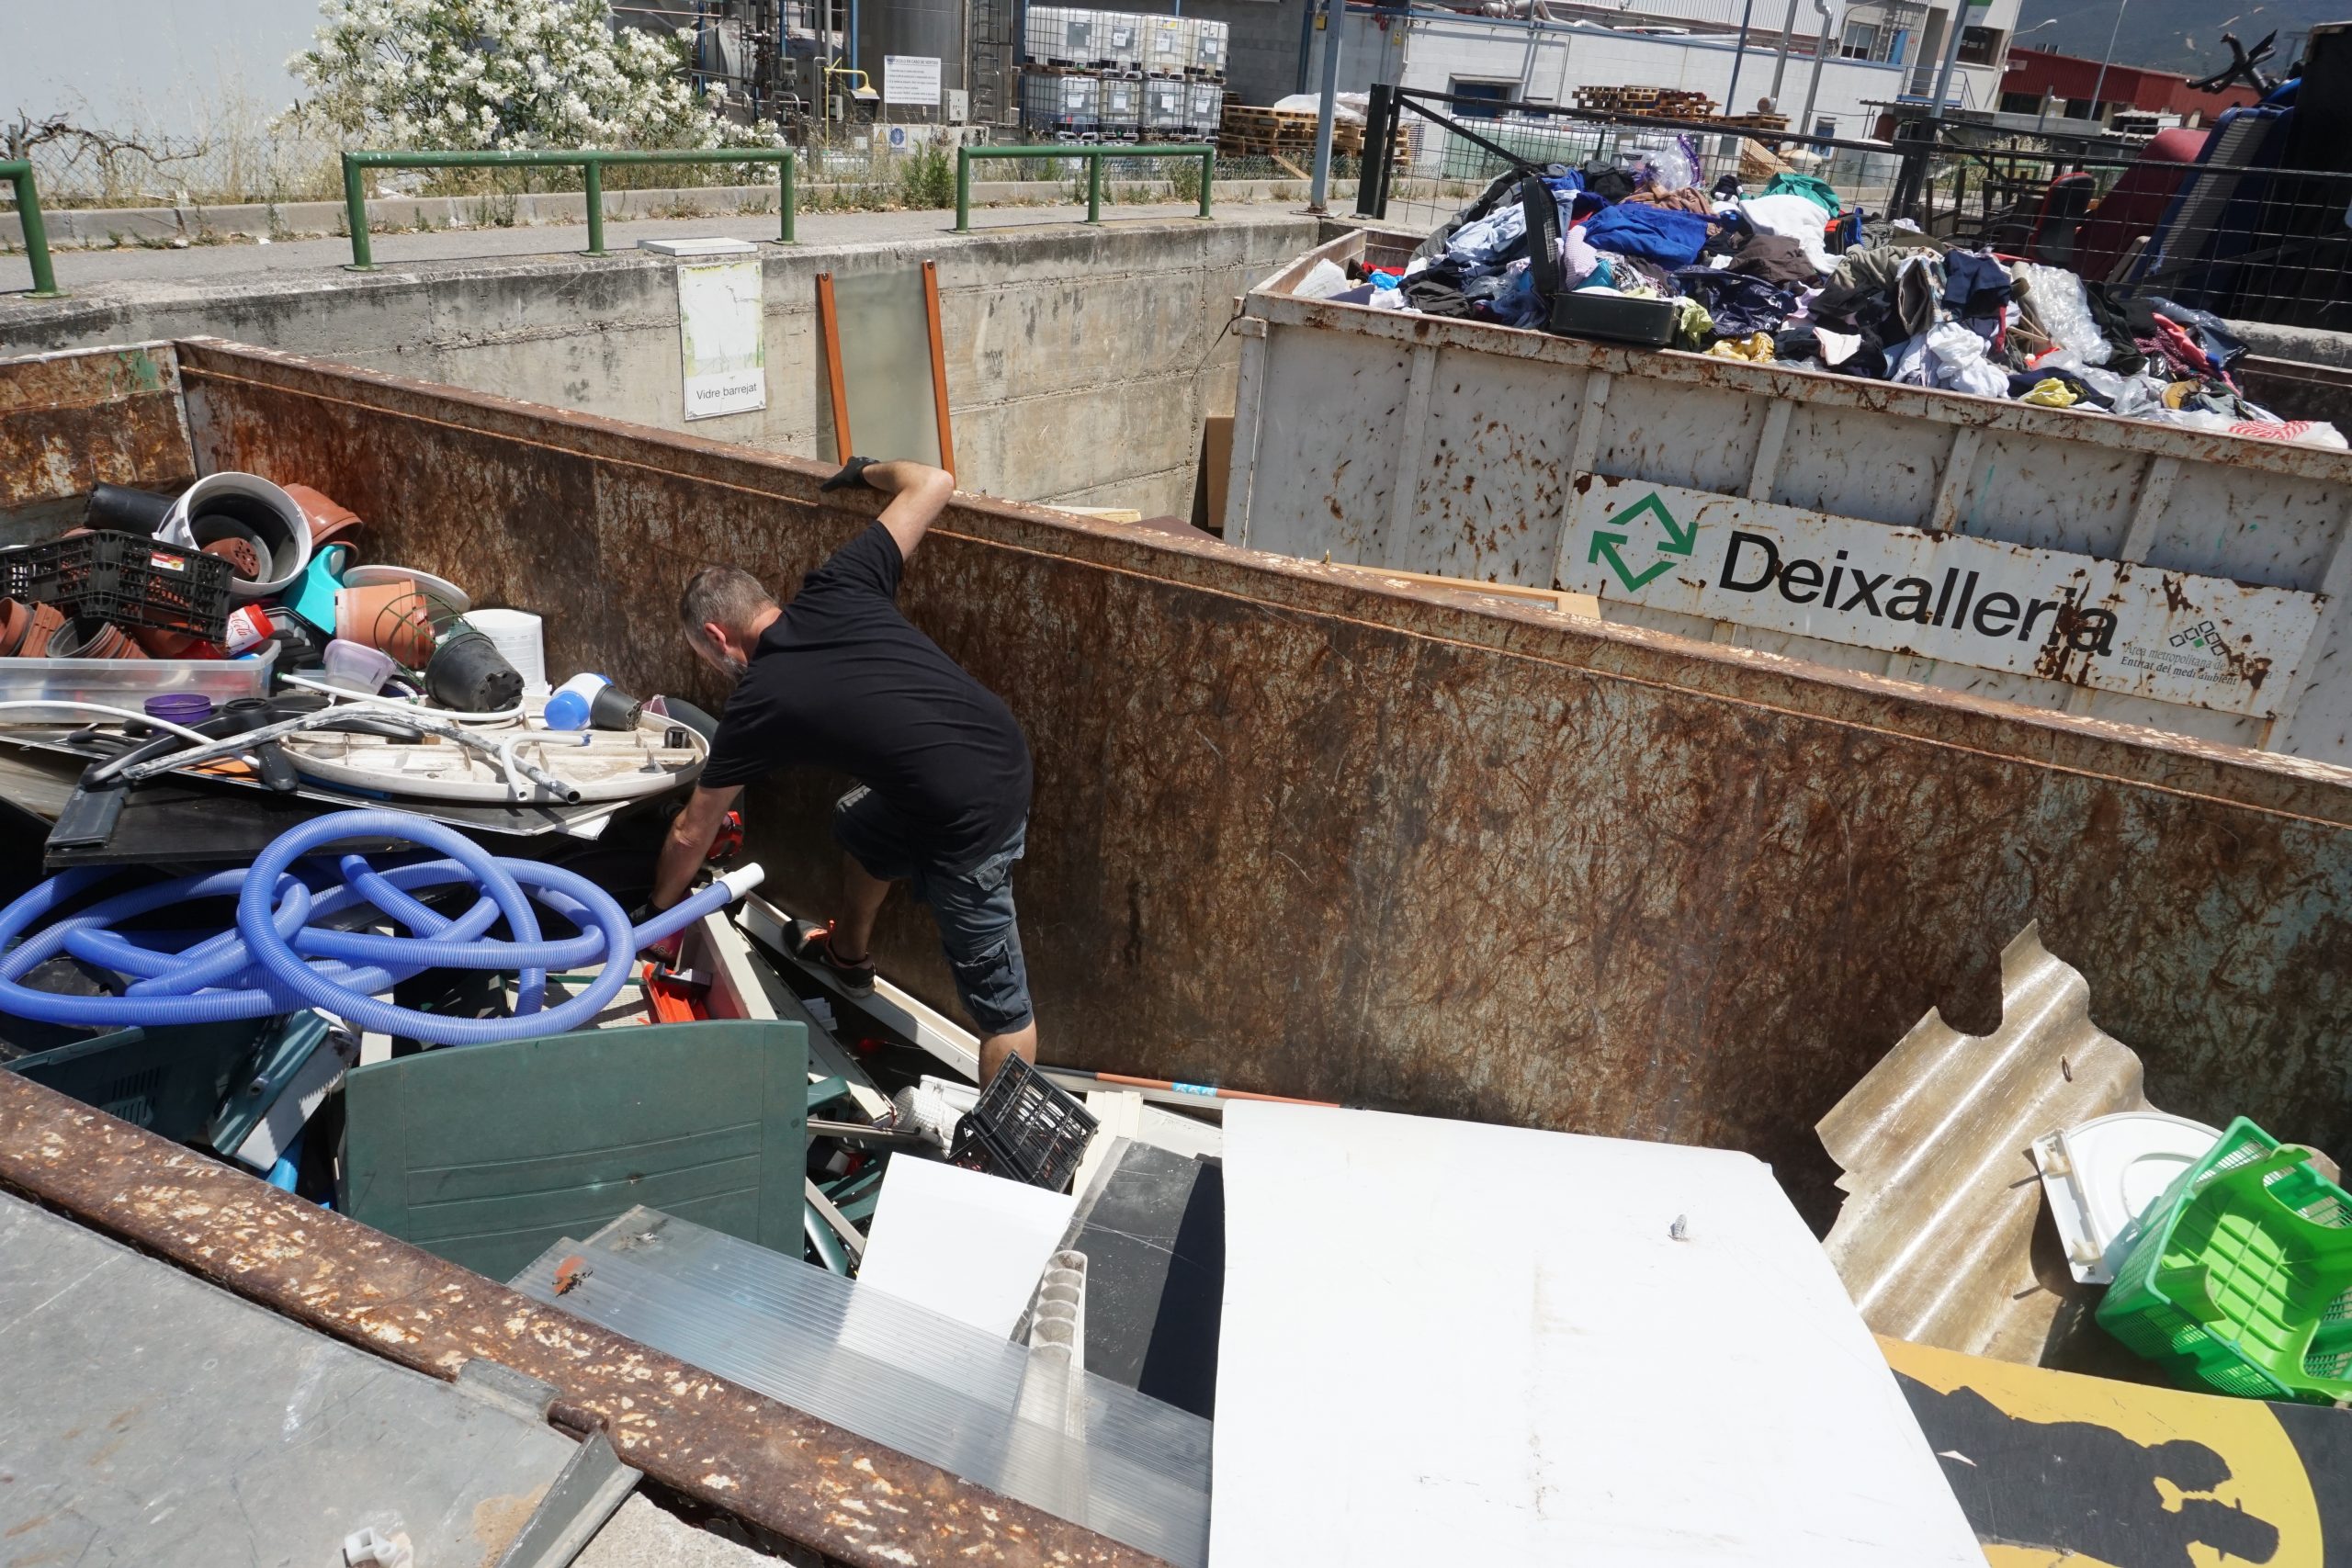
{"type": "Point", "coordinates": [911, 79]}
{"type": "Point", "coordinates": [722, 337]}
{"type": "Point", "coordinates": [2203, 641]}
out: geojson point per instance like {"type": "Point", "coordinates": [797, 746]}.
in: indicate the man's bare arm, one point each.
{"type": "Point", "coordinates": [918, 495]}
{"type": "Point", "coordinates": [689, 842]}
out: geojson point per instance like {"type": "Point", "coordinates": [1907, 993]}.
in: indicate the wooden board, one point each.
{"type": "Point", "coordinates": [1566, 601]}
{"type": "Point", "coordinates": [2055, 1467]}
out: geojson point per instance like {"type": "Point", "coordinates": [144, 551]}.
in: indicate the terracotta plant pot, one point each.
{"type": "Point", "coordinates": [46, 620]}
{"type": "Point", "coordinates": [161, 644]}
{"type": "Point", "coordinates": [391, 618]}
{"type": "Point", "coordinates": [243, 558]}
{"type": "Point", "coordinates": [329, 519]}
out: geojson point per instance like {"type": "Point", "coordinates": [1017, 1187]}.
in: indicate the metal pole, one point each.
{"type": "Point", "coordinates": [592, 176]}
{"type": "Point", "coordinates": [1208, 174]}
{"type": "Point", "coordinates": [787, 191]}
{"type": "Point", "coordinates": [35, 232]}
{"type": "Point", "coordinates": [1820, 54]}
{"type": "Point", "coordinates": [1952, 54]}
{"type": "Point", "coordinates": [2100, 85]}
{"type": "Point", "coordinates": [1738, 54]}
{"type": "Point", "coordinates": [1095, 184]}
{"type": "Point", "coordinates": [1321, 186]}
{"type": "Point", "coordinates": [1378, 116]}
{"type": "Point", "coordinates": [963, 190]}
{"type": "Point", "coordinates": [1780, 66]}
{"type": "Point", "coordinates": [355, 202]}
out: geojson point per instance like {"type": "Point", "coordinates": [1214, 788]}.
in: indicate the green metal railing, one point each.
{"type": "Point", "coordinates": [35, 232]}
{"type": "Point", "coordinates": [1205, 151]}
{"type": "Point", "coordinates": [591, 178]}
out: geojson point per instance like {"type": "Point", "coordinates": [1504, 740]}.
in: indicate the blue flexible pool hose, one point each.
{"type": "Point", "coordinates": [279, 957]}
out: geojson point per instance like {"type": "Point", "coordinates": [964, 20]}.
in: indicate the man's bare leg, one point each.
{"type": "Point", "coordinates": [1021, 1042]}
{"type": "Point", "coordinates": [863, 893]}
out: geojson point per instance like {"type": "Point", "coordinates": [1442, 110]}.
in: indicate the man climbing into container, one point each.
{"type": "Point", "coordinates": [839, 679]}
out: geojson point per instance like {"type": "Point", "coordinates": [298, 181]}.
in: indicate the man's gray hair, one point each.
{"type": "Point", "coordinates": [725, 594]}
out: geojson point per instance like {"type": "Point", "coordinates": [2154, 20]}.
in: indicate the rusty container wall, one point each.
{"type": "Point", "coordinates": [1391, 439]}
{"type": "Point", "coordinates": [1413, 848]}
{"type": "Point", "coordinates": [71, 420]}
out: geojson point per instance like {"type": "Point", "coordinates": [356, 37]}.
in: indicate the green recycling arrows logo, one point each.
{"type": "Point", "coordinates": [1608, 546]}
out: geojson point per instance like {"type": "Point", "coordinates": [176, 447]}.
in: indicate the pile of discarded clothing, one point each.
{"type": "Point", "coordinates": [1794, 276]}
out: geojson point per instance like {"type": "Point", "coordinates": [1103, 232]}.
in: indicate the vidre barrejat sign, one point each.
{"type": "Point", "coordinates": [2171, 636]}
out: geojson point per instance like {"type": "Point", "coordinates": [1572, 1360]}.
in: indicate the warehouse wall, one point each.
{"type": "Point", "coordinates": [1555, 61]}
{"type": "Point", "coordinates": [1077, 360]}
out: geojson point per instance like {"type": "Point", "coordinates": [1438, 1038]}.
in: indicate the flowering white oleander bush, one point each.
{"type": "Point", "coordinates": [467, 74]}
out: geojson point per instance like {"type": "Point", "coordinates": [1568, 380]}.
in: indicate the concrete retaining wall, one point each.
{"type": "Point", "coordinates": [1077, 359]}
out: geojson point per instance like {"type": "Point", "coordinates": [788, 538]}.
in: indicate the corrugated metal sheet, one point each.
{"type": "Point", "coordinates": [1937, 1240]}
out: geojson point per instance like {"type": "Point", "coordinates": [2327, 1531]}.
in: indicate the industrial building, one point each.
{"type": "Point", "coordinates": [786, 59]}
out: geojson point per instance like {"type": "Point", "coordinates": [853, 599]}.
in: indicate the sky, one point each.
{"type": "Point", "coordinates": [2181, 35]}
{"type": "Point", "coordinates": [154, 65]}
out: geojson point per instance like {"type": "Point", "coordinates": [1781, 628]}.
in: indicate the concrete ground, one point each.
{"type": "Point", "coordinates": [87, 269]}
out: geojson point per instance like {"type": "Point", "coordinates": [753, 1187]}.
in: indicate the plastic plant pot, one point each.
{"type": "Point", "coordinates": [329, 519]}
{"type": "Point", "coordinates": [93, 639]}
{"type": "Point", "coordinates": [271, 516]}
{"type": "Point", "coordinates": [391, 618]}
{"type": "Point", "coordinates": [468, 673]}
{"type": "Point", "coordinates": [240, 548]}
{"type": "Point", "coordinates": [162, 644]}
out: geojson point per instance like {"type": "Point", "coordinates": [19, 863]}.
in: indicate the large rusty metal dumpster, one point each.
{"type": "Point", "coordinates": [2126, 570]}
{"type": "Point", "coordinates": [1301, 831]}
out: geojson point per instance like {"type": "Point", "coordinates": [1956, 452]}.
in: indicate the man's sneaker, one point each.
{"type": "Point", "coordinates": [814, 945]}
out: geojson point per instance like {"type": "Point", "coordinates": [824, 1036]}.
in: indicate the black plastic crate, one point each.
{"type": "Point", "coordinates": [123, 578]}
{"type": "Point", "coordinates": [1025, 1128]}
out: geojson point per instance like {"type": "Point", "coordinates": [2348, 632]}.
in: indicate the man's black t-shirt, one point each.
{"type": "Point", "coordinates": [842, 680]}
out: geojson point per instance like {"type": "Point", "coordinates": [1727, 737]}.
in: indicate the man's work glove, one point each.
{"type": "Point", "coordinates": [851, 477]}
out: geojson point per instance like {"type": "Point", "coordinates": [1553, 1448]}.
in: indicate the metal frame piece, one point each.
{"type": "Point", "coordinates": [592, 1484]}
{"type": "Point", "coordinates": [938, 364]}
{"type": "Point", "coordinates": [591, 163]}
{"type": "Point", "coordinates": [19, 172]}
{"type": "Point", "coordinates": [1205, 151]}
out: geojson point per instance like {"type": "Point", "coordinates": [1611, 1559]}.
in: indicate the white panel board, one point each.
{"type": "Point", "coordinates": [2201, 641]}
{"type": "Point", "coordinates": [965, 1243]}
{"type": "Point", "coordinates": [911, 79]}
{"type": "Point", "coordinates": [1452, 1343]}
{"type": "Point", "coordinates": [721, 337]}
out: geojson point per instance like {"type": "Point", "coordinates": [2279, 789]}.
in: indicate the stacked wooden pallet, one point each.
{"type": "Point", "coordinates": [1287, 135]}
{"type": "Point", "coordinates": [1249, 130]}
{"type": "Point", "coordinates": [1757, 121]}
{"type": "Point", "coordinates": [1647, 103]}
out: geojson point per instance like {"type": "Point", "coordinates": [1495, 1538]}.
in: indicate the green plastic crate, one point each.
{"type": "Point", "coordinates": [2242, 1278]}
